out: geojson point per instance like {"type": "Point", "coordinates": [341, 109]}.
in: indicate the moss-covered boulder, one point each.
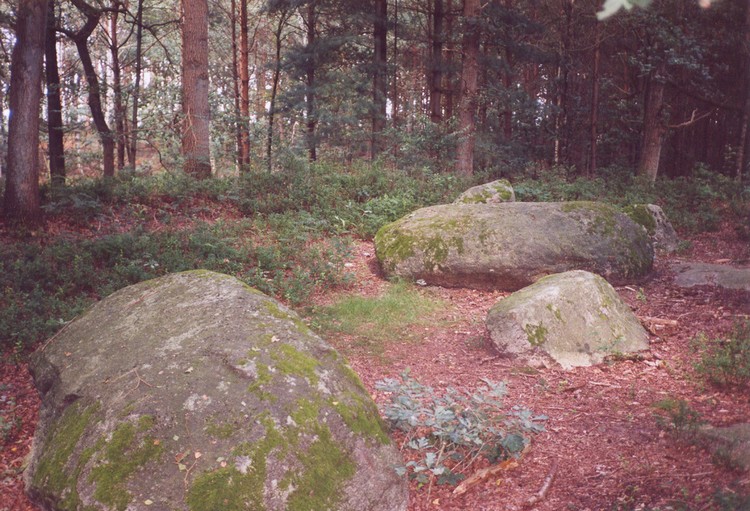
{"type": "Point", "coordinates": [488, 193]}
{"type": "Point", "coordinates": [509, 246]}
{"type": "Point", "coordinates": [196, 392]}
{"type": "Point", "coordinates": [576, 318]}
{"type": "Point", "coordinates": [652, 218]}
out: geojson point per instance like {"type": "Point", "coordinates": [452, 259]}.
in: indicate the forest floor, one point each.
{"type": "Point", "coordinates": [603, 448]}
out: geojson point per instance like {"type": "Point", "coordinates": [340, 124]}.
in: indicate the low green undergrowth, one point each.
{"type": "Point", "coordinates": [692, 204]}
{"type": "Point", "coordinates": [42, 286]}
{"type": "Point", "coordinates": [676, 416]}
{"type": "Point", "coordinates": [725, 362]}
{"type": "Point", "coordinates": [377, 321]}
{"type": "Point", "coordinates": [449, 430]}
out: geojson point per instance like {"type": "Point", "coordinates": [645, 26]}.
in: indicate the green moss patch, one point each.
{"type": "Point", "coordinates": [291, 361]}
{"type": "Point", "coordinates": [536, 334]}
{"type": "Point", "coordinates": [122, 456]}
{"type": "Point", "coordinates": [58, 470]}
{"type": "Point", "coordinates": [320, 484]}
{"type": "Point", "coordinates": [640, 214]}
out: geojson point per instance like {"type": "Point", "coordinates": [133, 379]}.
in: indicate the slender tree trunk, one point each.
{"type": "Point", "coordinates": [653, 126]}
{"type": "Point", "coordinates": [561, 119]}
{"type": "Point", "coordinates": [196, 149]}
{"type": "Point", "coordinates": [744, 140]}
{"type": "Point", "coordinates": [133, 138]}
{"type": "Point", "coordinates": [244, 88]}
{"type": "Point", "coordinates": [594, 119]}
{"type": "Point", "coordinates": [450, 49]}
{"type": "Point", "coordinates": [311, 114]}
{"type": "Point", "coordinates": [3, 131]}
{"type": "Point", "coordinates": [380, 77]}
{"type": "Point", "coordinates": [261, 61]}
{"type": "Point", "coordinates": [117, 86]}
{"type": "Point", "coordinates": [469, 78]}
{"type": "Point", "coordinates": [22, 183]}
{"type": "Point", "coordinates": [80, 39]}
{"type": "Point", "coordinates": [54, 102]}
{"type": "Point", "coordinates": [238, 120]}
{"type": "Point", "coordinates": [274, 89]}
{"type": "Point", "coordinates": [395, 96]}
{"type": "Point", "coordinates": [436, 62]}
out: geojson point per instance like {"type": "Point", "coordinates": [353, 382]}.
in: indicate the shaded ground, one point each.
{"type": "Point", "coordinates": [602, 434]}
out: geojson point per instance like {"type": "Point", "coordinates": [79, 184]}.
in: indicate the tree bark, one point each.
{"type": "Point", "coordinates": [54, 102]}
{"type": "Point", "coordinates": [22, 203]}
{"type": "Point", "coordinates": [436, 62]}
{"type": "Point", "coordinates": [380, 77]}
{"type": "Point", "coordinates": [80, 39]}
{"type": "Point", "coordinates": [594, 119]}
{"type": "Point", "coordinates": [310, 108]}
{"type": "Point", "coordinates": [653, 126]}
{"type": "Point", "coordinates": [283, 16]}
{"type": "Point", "coordinates": [196, 149]}
{"type": "Point", "coordinates": [133, 132]}
{"type": "Point", "coordinates": [742, 144]}
{"type": "Point", "coordinates": [119, 108]}
{"type": "Point", "coordinates": [469, 78]}
{"type": "Point", "coordinates": [244, 88]}
{"type": "Point", "coordinates": [449, 91]}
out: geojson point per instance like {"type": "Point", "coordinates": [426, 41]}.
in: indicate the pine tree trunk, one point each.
{"type": "Point", "coordinates": [244, 88]}
{"type": "Point", "coordinates": [742, 144]}
{"type": "Point", "coordinates": [653, 128]}
{"type": "Point", "coordinates": [195, 130]}
{"type": "Point", "coordinates": [119, 109]}
{"type": "Point", "coordinates": [594, 118]}
{"type": "Point", "coordinates": [449, 90]}
{"type": "Point", "coordinates": [436, 62]}
{"type": "Point", "coordinates": [283, 16]}
{"type": "Point", "coordinates": [22, 203]}
{"type": "Point", "coordinates": [54, 102]}
{"type": "Point", "coordinates": [80, 39]}
{"type": "Point", "coordinates": [310, 107]}
{"type": "Point", "coordinates": [236, 88]}
{"type": "Point", "coordinates": [469, 78]}
{"type": "Point", "coordinates": [380, 77]}
{"type": "Point", "coordinates": [133, 137]}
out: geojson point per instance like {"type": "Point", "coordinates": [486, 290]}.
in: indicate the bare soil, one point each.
{"type": "Point", "coordinates": [603, 448]}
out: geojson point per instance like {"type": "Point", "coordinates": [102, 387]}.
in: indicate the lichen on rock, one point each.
{"type": "Point", "coordinates": [195, 367]}
{"type": "Point", "coordinates": [508, 246]}
{"type": "Point", "coordinates": [575, 318]}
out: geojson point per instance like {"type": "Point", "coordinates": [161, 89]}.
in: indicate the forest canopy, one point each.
{"type": "Point", "coordinates": [458, 87]}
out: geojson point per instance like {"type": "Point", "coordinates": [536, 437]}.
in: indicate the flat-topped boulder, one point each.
{"type": "Point", "coordinates": [689, 275]}
{"type": "Point", "coordinates": [488, 193]}
{"type": "Point", "coordinates": [508, 246]}
{"type": "Point", "coordinates": [196, 392]}
{"type": "Point", "coordinates": [576, 318]}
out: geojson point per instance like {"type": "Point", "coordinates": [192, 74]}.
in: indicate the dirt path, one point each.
{"type": "Point", "coordinates": [601, 434]}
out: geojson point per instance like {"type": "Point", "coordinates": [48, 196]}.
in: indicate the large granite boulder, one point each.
{"type": "Point", "coordinates": [488, 193]}
{"type": "Point", "coordinates": [197, 392]}
{"type": "Point", "coordinates": [576, 318]}
{"type": "Point", "coordinates": [652, 218]}
{"type": "Point", "coordinates": [509, 246]}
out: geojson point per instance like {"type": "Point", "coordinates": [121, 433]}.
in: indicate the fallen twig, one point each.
{"type": "Point", "coordinates": [542, 493]}
{"type": "Point", "coordinates": [481, 475]}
